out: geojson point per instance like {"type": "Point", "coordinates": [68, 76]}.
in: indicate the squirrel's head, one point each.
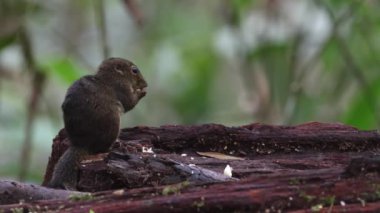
{"type": "Point", "coordinates": [125, 78]}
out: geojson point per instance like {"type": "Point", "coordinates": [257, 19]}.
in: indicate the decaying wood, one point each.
{"type": "Point", "coordinates": [162, 169]}
{"type": "Point", "coordinates": [254, 139]}
{"type": "Point", "coordinates": [273, 192]}
{"type": "Point", "coordinates": [14, 192]}
{"type": "Point", "coordinates": [138, 170]}
{"type": "Point", "coordinates": [312, 166]}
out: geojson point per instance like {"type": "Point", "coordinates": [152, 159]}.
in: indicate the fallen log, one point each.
{"type": "Point", "coordinates": [256, 139]}
{"type": "Point", "coordinates": [15, 192]}
{"type": "Point", "coordinates": [248, 141]}
{"type": "Point", "coordinates": [311, 167]}
{"type": "Point", "coordinates": [273, 193]}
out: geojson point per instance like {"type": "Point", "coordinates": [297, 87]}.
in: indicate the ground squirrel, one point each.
{"type": "Point", "coordinates": [91, 113]}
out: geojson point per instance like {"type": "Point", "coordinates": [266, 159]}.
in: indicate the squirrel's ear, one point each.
{"type": "Point", "coordinates": [119, 71]}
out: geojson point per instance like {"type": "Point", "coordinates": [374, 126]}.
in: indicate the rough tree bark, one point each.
{"type": "Point", "coordinates": [310, 167]}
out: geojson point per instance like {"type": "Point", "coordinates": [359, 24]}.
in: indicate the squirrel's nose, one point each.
{"type": "Point", "coordinates": [144, 84]}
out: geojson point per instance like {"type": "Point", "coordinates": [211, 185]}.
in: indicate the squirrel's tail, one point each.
{"type": "Point", "coordinates": [65, 173]}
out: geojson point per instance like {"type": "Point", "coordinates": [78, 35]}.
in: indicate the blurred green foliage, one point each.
{"type": "Point", "coordinates": [317, 60]}
{"type": "Point", "coordinates": [64, 69]}
{"type": "Point", "coordinates": [361, 113]}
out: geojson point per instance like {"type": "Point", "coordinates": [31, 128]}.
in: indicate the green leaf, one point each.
{"type": "Point", "coordinates": [193, 101]}
{"type": "Point", "coordinates": [64, 69]}
{"type": "Point", "coordinates": [361, 114]}
{"type": "Point", "coordinates": [5, 41]}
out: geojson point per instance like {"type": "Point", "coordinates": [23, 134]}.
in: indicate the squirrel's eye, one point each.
{"type": "Point", "coordinates": [135, 70]}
